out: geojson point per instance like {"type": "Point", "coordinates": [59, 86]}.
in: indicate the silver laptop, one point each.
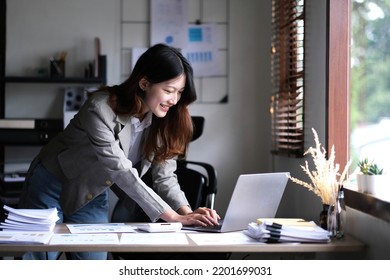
{"type": "Point", "coordinates": [254, 196]}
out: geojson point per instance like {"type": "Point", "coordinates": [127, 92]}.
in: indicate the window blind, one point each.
{"type": "Point", "coordinates": [287, 74]}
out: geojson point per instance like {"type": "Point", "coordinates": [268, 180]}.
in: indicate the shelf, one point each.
{"type": "Point", "coordinates": [75, 80]}
{"type": "Point", "coordinates": [15, 137]}
{"type": "Point", "coordinates": [39, 134]}
{"type": "Point", "coordinates": [367, 203]}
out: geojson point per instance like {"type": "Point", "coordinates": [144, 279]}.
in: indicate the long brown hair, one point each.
{"type": "Point", "coordinates": [168, 136]}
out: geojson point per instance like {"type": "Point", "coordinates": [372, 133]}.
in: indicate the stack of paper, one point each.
{"type": "Point", "coordinates": [272, 232]}
{"type": "Point", "coordinates": [42, 220]}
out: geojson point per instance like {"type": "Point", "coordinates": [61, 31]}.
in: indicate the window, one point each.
{"type": "Point", "coordinates": [370, 86]}
{"type": "Point", "coordinates": [287, 68]}
{"type": "Point", "coordinates": [338, 103]}
{"type": "Point", "coordinates": [353, 108]}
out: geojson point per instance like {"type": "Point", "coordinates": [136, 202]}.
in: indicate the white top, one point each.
{"type": "Point", "coordinates": [137, 129]}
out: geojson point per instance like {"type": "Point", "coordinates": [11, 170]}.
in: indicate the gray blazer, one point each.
{"type": "Point", "coordinates": [91, 155]}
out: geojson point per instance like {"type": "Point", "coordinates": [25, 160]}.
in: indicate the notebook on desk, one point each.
{"type": "Point", "coordinates": [254, 196]}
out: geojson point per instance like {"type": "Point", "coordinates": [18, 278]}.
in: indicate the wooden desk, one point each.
{"type": "Point", "coordinates": [348, 244]}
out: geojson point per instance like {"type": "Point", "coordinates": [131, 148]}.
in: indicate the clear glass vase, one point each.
{"type": "Point", "coordinates": [336, 217]}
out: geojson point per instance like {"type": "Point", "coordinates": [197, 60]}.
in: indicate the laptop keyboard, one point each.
{"type": "Point", "coordinates": [212, 228]}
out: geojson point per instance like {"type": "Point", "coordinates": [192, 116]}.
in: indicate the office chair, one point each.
{"type": "Point", "coordinates": [200, 188]}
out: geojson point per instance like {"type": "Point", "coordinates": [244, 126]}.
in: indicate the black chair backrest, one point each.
{"type": "Point", "coordinates": [198, 123]}
{"type": "Point", "coordinates": [192, 183]}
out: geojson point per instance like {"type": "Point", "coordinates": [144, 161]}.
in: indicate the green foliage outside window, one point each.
{"type": "Point", "coordinates": [370, 64]}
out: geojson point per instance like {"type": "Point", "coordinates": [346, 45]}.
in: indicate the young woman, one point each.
{"type": "Point", "coordinates": [120, 133]}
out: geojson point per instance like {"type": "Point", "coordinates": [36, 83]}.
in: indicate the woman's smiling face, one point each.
{"type": "Point", "coordinates": [160, 97]}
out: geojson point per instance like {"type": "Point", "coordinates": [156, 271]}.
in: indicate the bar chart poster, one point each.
{"type": "Point", "coordinates": [201, 50]}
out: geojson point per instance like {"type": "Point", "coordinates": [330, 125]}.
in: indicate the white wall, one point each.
{"type": "Point", "coordinates": [39, 29]}
{"type": "Point", "coordinates": [236, 136]}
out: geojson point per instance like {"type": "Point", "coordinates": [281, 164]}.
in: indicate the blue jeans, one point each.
{"type": "Point", "coordinates": [42, 190]}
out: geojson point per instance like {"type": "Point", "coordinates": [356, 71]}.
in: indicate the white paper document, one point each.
{"type": "Point", "coordinates": [100, 228]}
{"type": "Point", "coordinates": [39, 214]}
{"type": "Point", "coordinates": [84, 238]}
{"type": "Point", "coordinates": [168, 20]}
{"type": "Point", "coordinates": [11, 225]}
{"type": "Point", "coordinates": [154, 238]}
{"type": "Point", "coordinates": [10, 237]}
{"type": "Point", "coordinates": [29, 219]}
{"type": "Point", "coordinates": [228, 238]}
{"type": "Point", "coordinates": [271, 232]}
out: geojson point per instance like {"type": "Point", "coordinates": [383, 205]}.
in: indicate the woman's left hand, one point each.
{"type": "Point", "coordinates": [208, 212]}
{"type": "Point", "coordinates": [202, 216]}
{"type": "Point", "coordinates": [205, 216]}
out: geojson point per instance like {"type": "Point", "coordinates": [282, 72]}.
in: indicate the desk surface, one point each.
{"type": "Point", "coordinates": [347, 244]}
